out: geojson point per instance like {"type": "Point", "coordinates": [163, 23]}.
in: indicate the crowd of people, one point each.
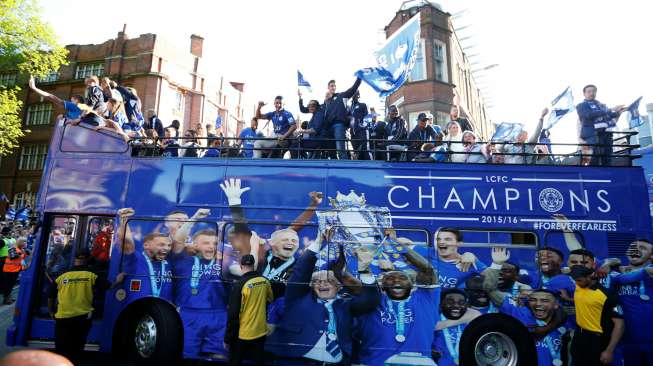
{"type": "Point", "coordinates": [341, 127]}
{"type": "Point", "coordinates": [16, 241]}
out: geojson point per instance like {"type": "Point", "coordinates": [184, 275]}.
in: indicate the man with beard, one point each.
{"type": "Point", "coordinates": [478, 298]}
{"type": "Point", "coordinates": [402, 321]}
{"type": "Point", "coordinates": [549, 262]}
{"type": "Point", "coordinates": [635, 291]}
{"type": "Point", "coordinates": [199, 292]}
{"type": "Point", "coordinates": [359, 140]}
{"type": "Point", "coordinates": [542, 316]}
{"type": "Point", "coordinates": [151, 261]}
{"type": "Point", "coordinates": [318, 321]}
{"type": "Point", "coordinates": [397, 133]}
{"type": "Point", "coordinates": [454, 268]}
{"type": "Point", "coordinates": [508, 273]}
{"type": "Point", "coordinates": [454, 307]}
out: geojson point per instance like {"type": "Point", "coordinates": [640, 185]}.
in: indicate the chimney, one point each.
{"type": "Point", "coordinates": [196, 45]}
{"type": "Point", "coordinates": [123, 34]}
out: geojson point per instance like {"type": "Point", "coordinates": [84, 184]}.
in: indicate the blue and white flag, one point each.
{"type": "Point", "coordinates": [507, 131]}
{"type": "Point", "coordinates": [218, 122]}
{"type": "Point", "coordinates": [302, 82]}
{"type": "Point", "coordinates": [395, 59]}
{"type": "Point", "coordinates": [635, 119]}
{"type": "Point", "coordinates": [560, 106]}
{"type": "Point", "coordinates": [10, 215]}
{"type": "Point", "coordinates": [22, 214]}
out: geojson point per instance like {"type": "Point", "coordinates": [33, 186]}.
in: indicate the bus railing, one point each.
{"type": "Point", "coordinates": [491, 152]}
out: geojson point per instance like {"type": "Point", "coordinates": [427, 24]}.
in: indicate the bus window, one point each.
{"type": "Point", "coordinates": [156, 255]}
{"type": "Point", "coordinates": [58, 255]}
{"type": "Point", "coordinates": [463, 254]}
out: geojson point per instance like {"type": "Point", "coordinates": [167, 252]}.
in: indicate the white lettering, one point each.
{"type": "Point", "coordinates": [511, 198]}
{"type": "Point", "coordinates": [573, 197]}
{"type": "Point", "coordinates": [485, 203]}
{"type": "Point", "coordinates": [422, 196]}
{"type": "Point", "coordinates": [457, 199]}
{"type": "Point", "coordinates": [599, 194]}
{"type": "Point", "coordinates": [390, 196]}
{"type": "Point", "coordinates": [530, 199]}
{"type": "Point", "coordinates": [496, 179]}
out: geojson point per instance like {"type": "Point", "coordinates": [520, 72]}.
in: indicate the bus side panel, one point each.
{"type": "Point", "coordinates": [87, 185]}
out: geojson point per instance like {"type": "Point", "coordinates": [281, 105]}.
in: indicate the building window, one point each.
{"type": "Point", "coordinates": [87, 70]}
{"type": "Point", "coordinates": [178, 106]}
{"type": "Point", "coordinates": [38, 114]}
{"type": "Point", "coordinates": [32, 157]}
{"type": "Point", "coordinates": [8, 79]}
{"type": "Point", "coordinates": [53, 76]}
{"type": "Point", "coordinates": [23, 199]}
{"type": "Point", "coordinates": [441, 119]}
{"type": "Point", "coordinates": [419, 69]}
{"type": "Point", "coordinates": [440, 61]}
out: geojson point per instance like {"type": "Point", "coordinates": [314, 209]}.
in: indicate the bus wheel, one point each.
{"type": "Point", "coordinates": [156, 335]}
{"type": "Point", "coordinates": [497, 340]}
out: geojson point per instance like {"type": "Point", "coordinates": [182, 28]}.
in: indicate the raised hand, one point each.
{"type": "Point", "coordinates": [316, 198]}
{"type": "Point", "coordinates": [545, 111]}
{"type": "Point", "coordinates": [500, 255]}
{"type": "Point", "coordinates": [125, 212]}
{"type": "Point", "coordinates": [231, 189]}
{"type": "Point", "coordinates": [466, 261]}
{"type": "Point", "coordinates": [201, 213]}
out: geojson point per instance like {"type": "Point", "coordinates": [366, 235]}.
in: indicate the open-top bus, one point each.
{"type": "Point", "coordinates": [186, 236]}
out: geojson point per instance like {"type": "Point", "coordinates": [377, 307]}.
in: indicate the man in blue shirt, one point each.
{"type": "Point", "coordinates": [247, 137]}
{"type": "Point", "coordinates": [199, 291]}
{"type": "Point", "coordinates": [397, 133]}
{"type": "Point", "coordinates": [405, 318]}
{"type": "Point", "coordinates": [635, 290]}
{"type": "Point", "coordinates": [596, 119]}
{"type": "Point", "coordinates": [284, 125]}
{"type": "Point", "coordinates": [420, 135]}
{"type": "Point", "coordinates": [152, 275]}
{"type": "Point", "coordinates": [543, 316]}
{"type": "Point", "coordinates": [455, 315]}
{"type": "Point", "coordinates": [335, 114]}
{"type": "Point", "coordinates": [453, 268]}
{"type": "Point", "coordinates": [73, 109]}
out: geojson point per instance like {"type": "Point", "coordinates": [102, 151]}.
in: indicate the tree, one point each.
{"type": "Point", "coordinates": [28, 46]}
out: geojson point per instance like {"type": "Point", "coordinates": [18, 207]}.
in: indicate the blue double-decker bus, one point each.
{"type": "Point", "coordinates": [177, 227]}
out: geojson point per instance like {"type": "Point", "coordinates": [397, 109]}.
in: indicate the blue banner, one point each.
{"type": "Point", "coordinates": [560, 106]}
{"type": "Point", "coordinates": [635, 119]}
{"type": "Point", "coordinates": [22, 214]}
{"type": "Point", "coordinates": [218, 122]}
{"type": "Point", "coordinates": [302, 82]}
{"type": "Point", "coordinates": [395, 59]}
{"type": "Point", "coordinates": [507, 131]}
{"type": "Point", "coordinates": [10, 215]}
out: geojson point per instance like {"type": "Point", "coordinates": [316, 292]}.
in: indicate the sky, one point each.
{"type": "Point", "coordinates": [541, 47]}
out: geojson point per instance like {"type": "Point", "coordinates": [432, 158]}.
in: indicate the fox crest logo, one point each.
{"type": "Point", "coordinates": [551, 200]}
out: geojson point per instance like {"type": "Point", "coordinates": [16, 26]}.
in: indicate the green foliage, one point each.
{"type": "Point", "coordinates": [28, 46]}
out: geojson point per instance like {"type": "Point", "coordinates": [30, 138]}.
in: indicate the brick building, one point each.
{"type": "Point", "coordinates": [441, 71]}
{"type": "Point", "coordinates": [169, 79]}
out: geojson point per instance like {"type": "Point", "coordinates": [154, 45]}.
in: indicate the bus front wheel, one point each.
{"type": "Point", "coordinates": [497, 340]}
{"type": "Point", "coordinates": [155, 336]}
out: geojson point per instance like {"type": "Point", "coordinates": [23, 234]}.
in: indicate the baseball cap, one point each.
{"type": "Point", "coordinates": [247, 260]}
{"type": "Point", "coordinates": [580, 271]}
{"type": "Point", "coordinates": [421, 117]}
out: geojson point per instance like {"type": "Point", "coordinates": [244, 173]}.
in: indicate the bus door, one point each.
{"type": "Point", "coordinates": [67, 236]}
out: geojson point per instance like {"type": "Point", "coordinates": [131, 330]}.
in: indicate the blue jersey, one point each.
{"type": "Point", "coordinates": [447, 343]}
{"type": "Point", "coordinates": [248, 145]}
{"type": "Point", "coordinates": [197, 282]}
{"type": "Point", "coordinates": [449, 276]}
{"type": "Point", "coordinates": [281, 121]}
{"type": "Point", "coordinates": [72, 110]}
{"type": "Point", "coordinates": [151, 277]}
{"type": "Point", "coordinates": [548, 348]}
{"type": "Point", "coordinates": [637, 311]}
{"type": "Point", "coordinates": [380, 337]}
